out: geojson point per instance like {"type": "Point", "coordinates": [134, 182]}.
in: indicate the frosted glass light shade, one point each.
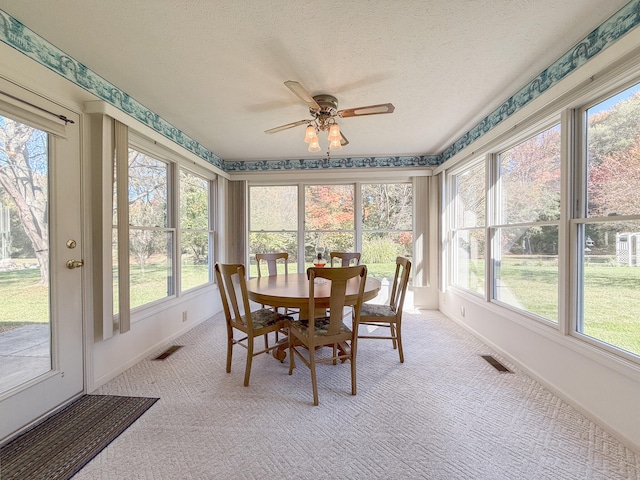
{"type": "Point", "coordinates": [334, 132]}
{"type": "Point", "coordinates": [310, 134]}
{"type": "Point", "coordinates": [314, 146]}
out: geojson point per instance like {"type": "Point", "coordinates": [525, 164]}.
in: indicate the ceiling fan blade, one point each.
{"type": "Point", "coordinates": [300, 91]}
{"type": "Point", "coordinates": [343, 140]}
{"type": "Point", "coordinates": [370, 110]}
{"type": "Point", "coordinates": [287, 126]}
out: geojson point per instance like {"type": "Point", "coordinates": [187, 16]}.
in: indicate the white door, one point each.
{"type": "Point", "coordinates": [41, 327]}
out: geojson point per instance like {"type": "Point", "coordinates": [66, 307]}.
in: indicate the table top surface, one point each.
{"type": "Point", "coordinates": [292, 290]}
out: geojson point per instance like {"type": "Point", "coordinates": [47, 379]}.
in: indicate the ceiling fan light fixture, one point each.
{"type": "Point", "coordinates": [335, 144]}
{"type": "Point", "coordinates": [310, 134]}
{"type": "Point", "coordinates": [334, 133]}
{"type": "Point", "coordinates": [314, 146]}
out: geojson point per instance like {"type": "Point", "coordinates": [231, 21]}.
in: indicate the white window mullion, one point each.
{"type": "Point", "coordinates": [121, 132]}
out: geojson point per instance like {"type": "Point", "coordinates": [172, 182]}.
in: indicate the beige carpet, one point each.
{"type": "Point", "coordinates": [443, 414]}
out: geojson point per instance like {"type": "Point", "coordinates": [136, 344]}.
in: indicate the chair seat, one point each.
{"type": "Point", "coordinates": [266, 317]}
{"type": "Point", "coordinates": [321, 326]}
{"type": "Point", "coordinates": [372, 310]}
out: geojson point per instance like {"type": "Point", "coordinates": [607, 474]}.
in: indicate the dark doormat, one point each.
{"type": "Point", "coordinates": [61, 445]}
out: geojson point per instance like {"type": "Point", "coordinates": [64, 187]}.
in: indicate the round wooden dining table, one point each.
{"type": "Point", "coordinates": [292, 291]}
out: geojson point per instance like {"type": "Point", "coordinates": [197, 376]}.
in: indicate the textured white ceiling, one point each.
{"type": "Point", "coordinates": [215, 69]}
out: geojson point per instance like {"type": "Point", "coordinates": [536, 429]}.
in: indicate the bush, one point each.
{"type": "Point", "coordinates": [380, 250]}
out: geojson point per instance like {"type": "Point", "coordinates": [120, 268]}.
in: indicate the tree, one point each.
{"type": "Point", "coordinates": [194, 216]}
{"type": "Point", "coordinates": [147, 206]}
{"type": "Point", "coordinates": [24, 180]}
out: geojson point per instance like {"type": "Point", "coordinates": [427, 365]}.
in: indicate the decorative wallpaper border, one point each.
{"type": "Point", "coordinates": [332, 163]}
{"type": "Point", "coordinates": [18, 36]}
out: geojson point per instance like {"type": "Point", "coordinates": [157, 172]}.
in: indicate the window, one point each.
{"type": "Point", "coordinates": [387, 226]}
{"type": "Point", "coordinates": [468, 232]}
{"type": "Point", "coordinates": [161, 200]}
{"type": "Point", "coordinates": [329, 223]}
{"type": "Point", "coordinates": [196, 236]}
{"type": "Point", "coordinates": [525, 245]}
{"type": "Point", "coordinates": [151, 240]}
{"type": "Point", "coordinates": [608, 225]}
{"type": "Point", "coordinates": [382, 230]}
{"type": "Point", "coordinates": [273, 223]}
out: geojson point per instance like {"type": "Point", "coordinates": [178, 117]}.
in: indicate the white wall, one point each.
{"type": "Point", "coordinates": [148, 335]}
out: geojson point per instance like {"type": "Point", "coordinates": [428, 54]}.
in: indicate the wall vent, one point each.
{"type": "Point", "coordinates": [496, 364]}
{"type": "Point", "coordinates": [172, 349]}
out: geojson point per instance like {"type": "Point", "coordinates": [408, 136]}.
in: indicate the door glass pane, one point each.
{"type": "Point", "coordinates": [25, 327]}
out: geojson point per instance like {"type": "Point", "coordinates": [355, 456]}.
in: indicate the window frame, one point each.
{"type": "Point", "coordinates": [358, 230]}
{"type": "Point", "coordinates": [175, 163]}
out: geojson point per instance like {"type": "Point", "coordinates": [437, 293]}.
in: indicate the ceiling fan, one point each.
{"type": "Point", "coordinates": [324, 110]}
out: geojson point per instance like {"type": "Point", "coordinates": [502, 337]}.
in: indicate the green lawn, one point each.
{"type": "Point", "coordinates": [611, 306]}
{"type": "Point", "coordinates": [611, 298]}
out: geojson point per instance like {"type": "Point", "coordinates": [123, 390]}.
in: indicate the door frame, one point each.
{"type": "Point", "coordinates": [29, 403]}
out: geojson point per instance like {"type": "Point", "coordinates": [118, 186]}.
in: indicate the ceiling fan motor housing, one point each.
{"type": "Point", "coordinates": [328, 105]}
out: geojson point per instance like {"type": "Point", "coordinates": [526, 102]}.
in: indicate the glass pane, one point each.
{"type": "Point", "coordinates": [273, 208]}
{"type": "Point", "coordinates": [611, 284]}
{"type": "Point", "coordinates": [387, 206]}
{"type": "Point", "coordinates": [613, 155]}
{"type": "Point", "coordinates": [330, 241]}
{"type": "Point", "coordinates": [147, 191]}
{"type": "Point", "coordinates": [194, 202]}
{"type": "Point", "coordinates": [25, 331]}
{"type": "Point", "coordinates": [329, 207]}
{"type": "Point", "coordinates": [150, 267]}
{"type": "Point", "coordinates": [470, 197]}
{"type": "Point", "coordinates": [529, 180]}
{"type": "Point", "coordinates": [194, 261]}
{"type": "Point", "coordinates": [380, 250]}
{"type": "Point", "coordinates": [272, 242]}
{"type": "Point", "coordinates": [526, 269]}
{"type": "Point", "coordinates": [469, 259]}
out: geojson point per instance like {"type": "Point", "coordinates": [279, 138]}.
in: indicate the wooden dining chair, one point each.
{"type": "Point", "coordinates": [271, 261]}
{"type": "Point", "coordinates": [230, 278]}
{"type": "Point", "coordinates": [307, 335]}
{"type": "Point", "coordinates": [389, 315]}
{"type": "Point", "coordinates": [345, 258]}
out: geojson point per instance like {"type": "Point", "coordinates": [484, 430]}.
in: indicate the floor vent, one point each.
{"type": "Point", "coordinates": [168, 352]}
{"type": "Point", "coordinates": [496, 364]}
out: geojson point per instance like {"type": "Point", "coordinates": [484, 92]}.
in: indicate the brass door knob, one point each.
{"type": "Point", "coordinates": [71, 264]}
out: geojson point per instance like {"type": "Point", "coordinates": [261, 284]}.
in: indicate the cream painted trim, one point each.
{"type": "Point", "coordinates": [99, 106]}
{"type": "Point", "coordinates": [327, 176]}
{"type": "Point", "coordinates": [121, 132]}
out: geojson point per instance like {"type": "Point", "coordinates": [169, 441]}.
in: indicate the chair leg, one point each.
{"type": "Point", "coordinates": [353, 367]}
{"type": "Point", "coordinates": [335, 352]}
{"type": "Point", "coordinates": [247, 371]}
{"type": "Point", "coordinates": [398, 330]}
{"type": "Point", "coordinates": [393, 335]}
{"type": "Point", "coordinates": [229, 350]}
{"type": "Point", "coordinates": [314, 380]}
{"type": "Point", "coordinates": [292, 362]}
{"type": "Point", "coordinates": [266, 341]}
